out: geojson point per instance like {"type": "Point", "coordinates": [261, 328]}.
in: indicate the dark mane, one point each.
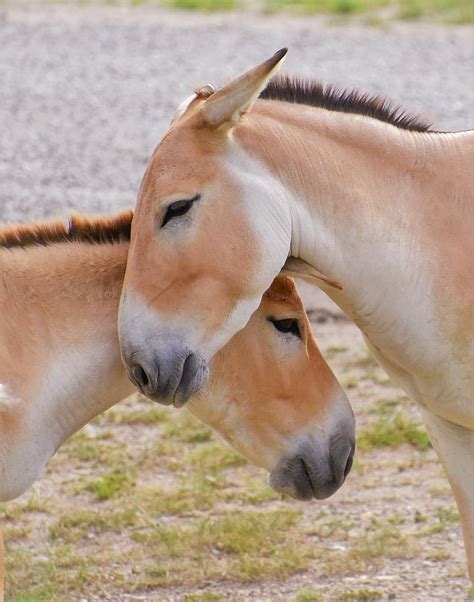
{"type": "Point", "coordinates": [315, 94]}
{"type": "Point", "coordinates": [80, 228]}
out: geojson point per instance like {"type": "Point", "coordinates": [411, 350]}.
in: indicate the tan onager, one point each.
{"type": "Point", "coordinates": [380, 207]}
{"type": "Point", "coordinates": [271, 395]}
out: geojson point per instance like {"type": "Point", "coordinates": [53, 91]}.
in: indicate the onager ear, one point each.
{"type": "Point", "coordinates": [297, 268]}
{"type": "Point", "coordinates": [229, 103]}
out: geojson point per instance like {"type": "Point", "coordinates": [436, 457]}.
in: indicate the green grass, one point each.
{"type": "Point", "coordinates": [148, 415]}
{"type": "Point", "coordinates": [325, 6]}
{"type": "Point", "coordinates": [447, 11]}
{"type": "Point", "coordinates": [393, 430]}
{"type": "Point", "coordinates": [73, 526]}
{"type": "Point", "coordinates": [245, 545]}
{"type": "Point", "coordinates": [109, 485]}
{"type": "Point", "coordinates": [383, 540]}
{"type": "Point", "coordinates": [188, 430]}
{"type": "Point", "coordinates": [360, 595]}
{"type": "Point", "coordinates": [202, 597]}
{"type": "Point", "coordinates": [308, 595]}
{"type": "Point", "coordinates": [451, 11]}
{"type": "Point", "coordinates": [206, 5]}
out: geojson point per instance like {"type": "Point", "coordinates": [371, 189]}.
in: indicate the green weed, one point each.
{"type": "Point", "coordinates": [393, 430]}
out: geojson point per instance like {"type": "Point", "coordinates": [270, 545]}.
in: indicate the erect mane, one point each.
{"type": "Point", "coordinates": [333, 98]}
{"type": "Point", "coordinates": [79, 228]}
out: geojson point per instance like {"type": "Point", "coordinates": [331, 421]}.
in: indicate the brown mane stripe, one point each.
{"type": "Point", "coordinates": [333, 98]}
{"type": "Point", "coordinates": [80, 228]}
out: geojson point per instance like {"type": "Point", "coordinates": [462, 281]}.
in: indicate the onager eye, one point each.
{"type": "Point", "coordinates": [287, 326]}
{"type": "Point", "coordinates": [178, 208]}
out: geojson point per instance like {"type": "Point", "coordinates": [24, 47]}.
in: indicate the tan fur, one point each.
{"type": "Point", "coordinates": [434, 184]}
{"type": "Point", "coordinates": [45, 292]}
{"type": "Point", "coordinates": [186, 276]}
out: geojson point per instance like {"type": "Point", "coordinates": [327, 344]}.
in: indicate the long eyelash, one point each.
{"type": "Point", "coordinates": [169, 210]}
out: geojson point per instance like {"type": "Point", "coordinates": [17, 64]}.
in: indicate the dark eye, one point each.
{"type": "Point", "coordinates": [289, 326]}
{"type": "Point", "coordinates": [178, 208]}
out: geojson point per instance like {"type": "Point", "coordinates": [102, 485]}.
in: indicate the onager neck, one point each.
{"type": "Point", "coordinates": [59, 311]}
{"type": "Point", "coordinates": [384, 212]}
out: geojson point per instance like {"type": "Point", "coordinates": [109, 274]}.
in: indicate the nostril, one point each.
{"type": "Point", "coordinates": [140, 376]}
{"type": "Point", "coordinates": [348, 467]}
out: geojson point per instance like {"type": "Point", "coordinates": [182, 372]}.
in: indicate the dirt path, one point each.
{"type": "Point", "coordinates": [85, 96]}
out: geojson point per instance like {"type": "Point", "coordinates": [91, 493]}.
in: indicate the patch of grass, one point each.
{"type": "Point", "coordinates": [364, 361]}
{"type": "Point", "coordinates": [202, 597]}
{"type": "Point", "coordinates": [335, 528]}
{"type": "Point", "coordinates": [109, 485]}
{"type": "Point", "coordinates": [393, 430]}
{"type": "Point", "coordinates": [438, 555]}
{"type": "Point", "coordinates": [447, 11]}
{"type": "Point", "coordinates": [188, 430]}
{"type": "Point", "coordinates": [382, 541]}
{"type": "Point", "coordinates": [325, 6]}
{"type": "Point", "coordinates": [73, 526]}
{"type": "Point", "coordinates": [334, 350]}
{"type": "Point", "coordinates": [246, 545]}
{"type": "Point", "coordinates": [33, 504]}
{"type": "Point", "coordinates": [102, 450]}
{"type": "Point", "coordinates": [255, 492]}
{"type": "Point", "coordinates": [451, 11]}
{"type": "Point", "coordinates": [83, 448]}
{"type": "Point", "coordinates": [49, 580]}
{"type": "Point", "coordinates": [194, 494]}
{"type": "Point", "coordinates": [150, 415]}
{"type": "Point", "coordinates": [445, 516]}
{"type": "Point", "coordinates": [212, 458]}
{"type": "Point", "coordinates": [360, 595]}
{"type": "Point", "coordinates": [15, 533]}
{"type": "Point", "coordinates": [448, 515]}
{"type": "Point", "coordinates": [308, 595]}
{"type": "Point", "coordinates": [205, 5]}
{"type": "Point", "coordinates": [349, 382]}
{"type": "Point", "coordinates": [385, 407]}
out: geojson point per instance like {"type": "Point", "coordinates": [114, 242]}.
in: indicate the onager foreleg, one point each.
{"type": "Point", "coordinates": [455, 447]}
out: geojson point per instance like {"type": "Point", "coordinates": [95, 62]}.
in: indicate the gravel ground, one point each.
{"type": "Point", "coordinates": [86, 94]}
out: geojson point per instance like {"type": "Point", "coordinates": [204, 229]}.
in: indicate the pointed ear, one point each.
{"type": "Point", "coordinates": [229, 103]}
{"type": "Point", "coordinates": [297, 268]}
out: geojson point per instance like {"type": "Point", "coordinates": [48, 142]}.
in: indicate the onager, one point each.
{"type": "Point", "coordinates": [271, 395]}
{"type": "Point", "coordinates": [379, 208]}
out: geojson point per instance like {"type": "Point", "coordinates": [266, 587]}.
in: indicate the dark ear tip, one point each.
{"type": "Point", "coordinates": [279, 54]}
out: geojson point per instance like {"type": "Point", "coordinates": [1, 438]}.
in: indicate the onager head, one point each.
{"type": "Point", "coordinates": [273, 397]}
{"type": "Point", "coordinates": [210, 233]}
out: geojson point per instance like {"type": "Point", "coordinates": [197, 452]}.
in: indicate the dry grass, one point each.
{"type": "Point", "coordinates": [146, 501]}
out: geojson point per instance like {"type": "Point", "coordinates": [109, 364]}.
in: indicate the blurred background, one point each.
{"type": "Point", "coordinates": [146, 503]}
